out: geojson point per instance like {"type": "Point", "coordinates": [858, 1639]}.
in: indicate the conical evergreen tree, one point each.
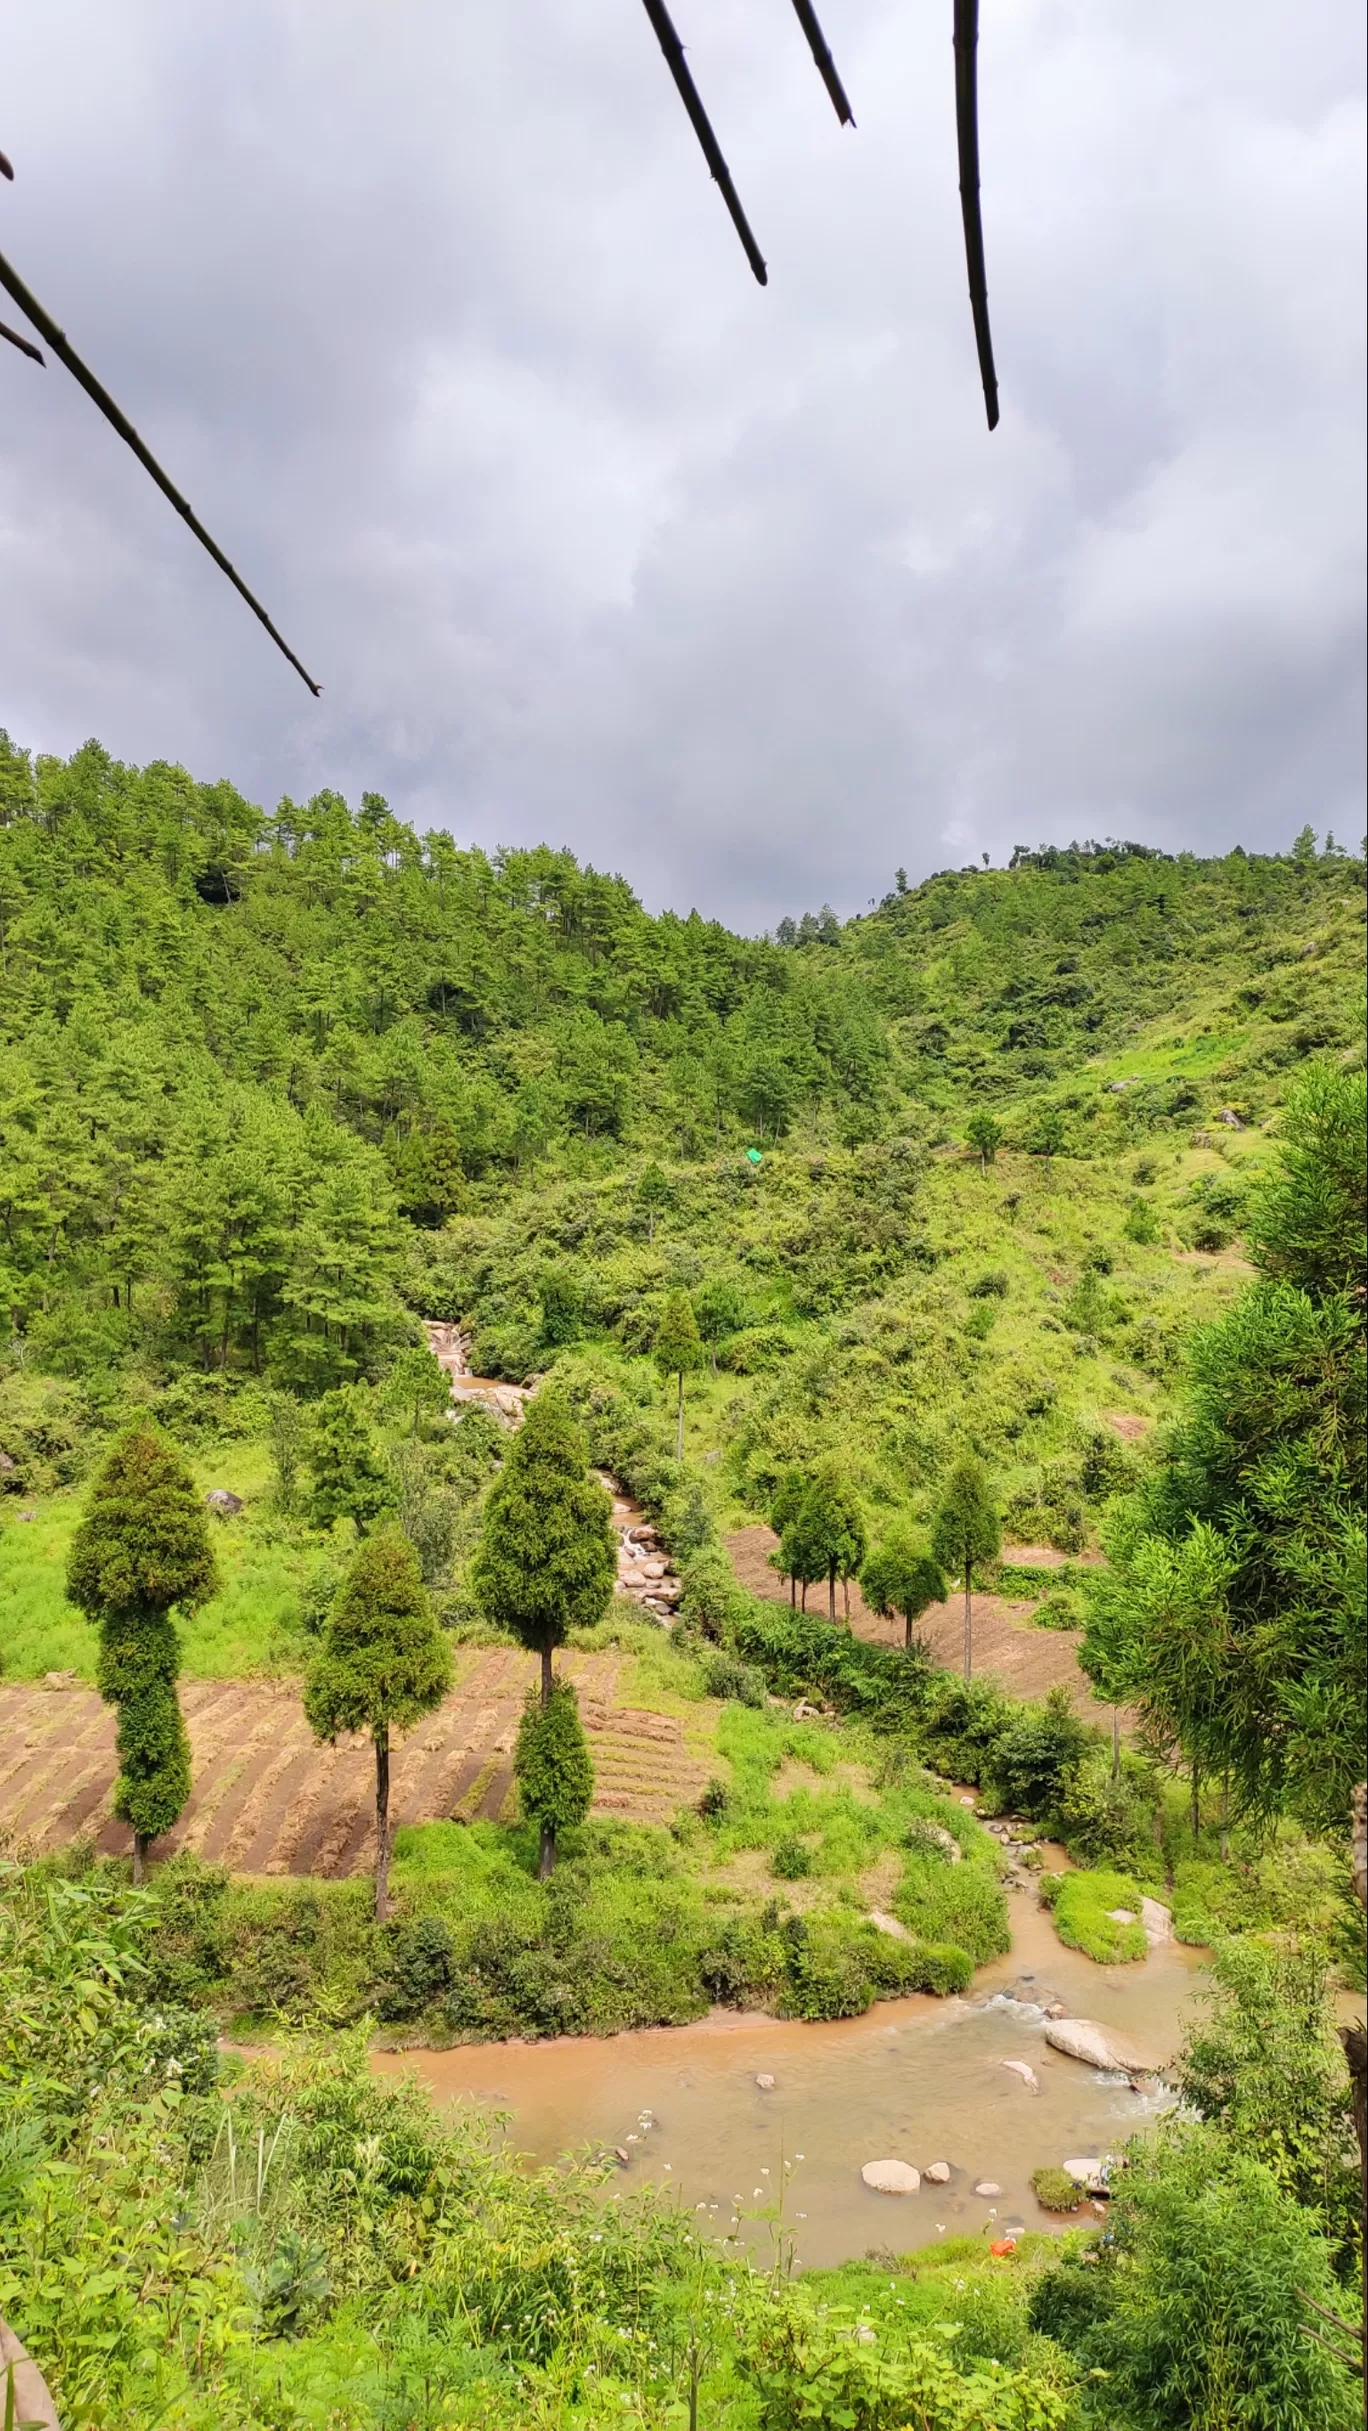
{"type": "Point", "coordinates": [553, 1766]}
{"type": "Point", "coordinates": [547, 1558]}
{"type": "Point", "coordinates": [383, 1664]}
{"type": "Point", "coordinates": [678, 1351]}
{"type": "Point", "coordinates": [141, 1551]}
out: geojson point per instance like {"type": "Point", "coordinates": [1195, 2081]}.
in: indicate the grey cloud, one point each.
{"type": "Point", "coordinates": [436, 318]}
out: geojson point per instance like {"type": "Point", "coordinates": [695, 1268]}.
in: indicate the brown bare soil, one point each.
{"type": "Point", "coordinates": [1025, 1661]}
{"type": "Point", "coordinates": [268, 1800]}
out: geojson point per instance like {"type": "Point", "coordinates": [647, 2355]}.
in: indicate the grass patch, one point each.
{"type": "Point", "coordinates": [1082, 1905]}
{"type": "Point", "coordinates": [252, 1627]}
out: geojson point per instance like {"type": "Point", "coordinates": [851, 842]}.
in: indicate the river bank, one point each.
{"type": "Point", "coordinates": [918, 2079]}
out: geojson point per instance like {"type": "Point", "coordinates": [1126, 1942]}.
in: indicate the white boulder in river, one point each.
{"type": "Point", "coordinates": [891, 2177]}
{"type": "Point", "coordinates": [938, 2174]}
{"type": "Point", "coordinates": [1081, 2038]}
{"type": "Point", "coordinates": [1090, 2174]}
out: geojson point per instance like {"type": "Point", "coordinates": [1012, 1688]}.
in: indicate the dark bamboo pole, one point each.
{"type": "Point", "coordinates": [698, 118]}
{"type": "Point", "coordinates": [47, 327]}
{"type": "Point", "coordinates": [23, 344]}
{"type": "Point", "coordinates": [806, 15]}
{"type": "Point", "coordinates": [966, 129]}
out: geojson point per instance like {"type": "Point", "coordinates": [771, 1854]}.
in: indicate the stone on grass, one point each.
{"type": "Point", "coordinates": [938, 2174]}
{"type": "Point", "coordinates": [891, 2177]}
{"type": "Point", "coordinates": [223, 1504]}
{"type": "Point", "coordinates": [888, 1924]}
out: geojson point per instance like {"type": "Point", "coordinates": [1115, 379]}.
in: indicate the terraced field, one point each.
{"type": "Point", "coordinates": [268, 1800]}
{"type": "Point", "coordinates": [1025, 1661]}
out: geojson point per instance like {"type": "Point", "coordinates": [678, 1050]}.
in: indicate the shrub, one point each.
{"type": "Point", "coordinates": [726, 1676]}
{"type": "Point", "coordinates": [791, 1858]}
{"type": "Point", "coordinates": [418, 1967]}
{"type": "Point", "coordinates": [1201, 2308]}
{"type": "Point", "coordinates": [828, 1968]}
{"type": "Point", "coordinates": [1142, 1222]}
{"type": "Point", "coordinates": [1057, 1611]}
{"type": "Point", "coordinates": [994, 1285]}
{"type": "Point", "coordinates": [1055, 2190]}
{"type": "Point", "coordinates": [1033, 1756]}
{"type": "Point", "coordinates": [1083, 1920]}
{"type": "Point", "coordinates": [1101, 1819]}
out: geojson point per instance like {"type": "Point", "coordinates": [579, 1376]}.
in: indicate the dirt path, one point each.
{"type": "Point", "coordinates": [1025, 1661]}
{"type": "Point", "coordinates": [268, 1800]}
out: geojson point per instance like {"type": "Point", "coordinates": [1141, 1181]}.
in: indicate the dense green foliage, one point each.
{"type": "Point", "coordinates": [901, 1577]}
{"type": "Point", "coordinates": [1234, 1607]}
{"type": "Point", "coordinates": [547, 1559]}
{"type": "Point", "coordinates": [141, 1551]}
{"type": "Point", "coordinates": [552, 1765]}
{"type": "Point", "coordinates": [383, 1663]}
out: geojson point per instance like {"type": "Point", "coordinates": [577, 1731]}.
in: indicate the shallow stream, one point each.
{"type": "Point", "coordinates": [917, 2080]}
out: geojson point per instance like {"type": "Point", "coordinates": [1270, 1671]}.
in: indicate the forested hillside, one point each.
{"type": "Point", "coordinates": [250, 1060]}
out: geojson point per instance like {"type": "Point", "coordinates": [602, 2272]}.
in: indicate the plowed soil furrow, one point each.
{"type": "Point", "coordinates": [211, 1833]}
{"type": "Point", "coordinates": [68, 1821]}
{"type": "Point", "coordinates": [348, 1790]}
{"type": "Point", "coordinates": [258, 1835]}
{"type": "Point", "coordinates": [30, 1791]}
{"type": "Point", "coordinates": [62, 1790]}
{"type": "Point", "coordinates": [266, 1800]}
{"type": "Point", "coordinates": [259, 1816]}
{"type": "Point", "coordinates": [441, 1746]}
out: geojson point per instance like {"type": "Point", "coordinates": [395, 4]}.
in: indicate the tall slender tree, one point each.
{"type": "Point", "coordinates": [678, 1351]}
{"type": "Point", "coordinates": [383, 1663]}
{"type": "Point", "coordinates": [547, 1557]}
{"type": "Point", "coordinates": [966, 1533]}
{"type": "Point", "coordinates": [142, 1552]}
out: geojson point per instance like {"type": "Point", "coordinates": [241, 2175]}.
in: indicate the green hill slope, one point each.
{"type": "Point", "coordinates": [271, 1087]}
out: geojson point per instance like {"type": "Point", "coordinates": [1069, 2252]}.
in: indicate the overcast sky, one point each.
{"type": "Point", "coordinates": [431, 309]}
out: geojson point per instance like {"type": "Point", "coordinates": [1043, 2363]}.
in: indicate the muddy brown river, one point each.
{"type": "Point", "coordinates": [918, 2080]}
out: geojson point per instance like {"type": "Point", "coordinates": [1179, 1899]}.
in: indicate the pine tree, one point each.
{"type": "Point", "coordinates": [141, 1551]}
{"type": "Point", "coordinates": [827, 1537]}
{"type": "Point", "coordinates": [678, 1351]}
{"type": "Point", "coordinates": [654, 1194]}
{"type": "Point", "coordinates": [383, 1664]}
{"type": "Point", "coordinates": [418, 1386]}
{"type": "Point", "coordinates": [350, 1481]}
{"type": "Point", "coordinates": [1232, 1606]}
{"type": "Point", "coordinates": [901, 1577]}
{"type": "Point", "coordinates": [554, 1770]}
{"type": "Point", "coordinates": [547, 1557]}
{"type": "Point", "coordinates": [785, 1506]}
{"type": "Point", "coordinates": [966, 1532]}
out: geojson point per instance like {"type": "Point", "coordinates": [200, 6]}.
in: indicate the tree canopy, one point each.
{"type": "Point", "coordinates": [383, 1663]}
{"type": "Point", "coordinates": [1233, 1607]}
{"type": "Point", "coordinates": [547, 1558]}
